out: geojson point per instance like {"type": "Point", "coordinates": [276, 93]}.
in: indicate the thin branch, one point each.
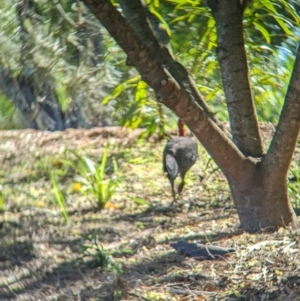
{"type": "Point", "coordinates": [278, 158]}
{"type": "Point", "coordinates": [169, 92]}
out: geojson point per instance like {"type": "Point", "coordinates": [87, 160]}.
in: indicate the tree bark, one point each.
{"type": "Point", "coordinates": [263, 206]}
{"type": "Point", "coordinates": [259, 203]}
{"type": "Point", "coordinates": [231, 53]}
{"type": "Point", "coordinates": [282, 147]}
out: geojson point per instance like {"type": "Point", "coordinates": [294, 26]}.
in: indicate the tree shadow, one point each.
{"type": "Point", "coordinates": [70, 277]}
{"type": "Point", "coordinates": [40, 277]}
{"type": "Point", "coordinates": [15, 253]}
{"type": "Point", "coordinates": [14, 250]}
{"type": "Point", "coordinates": [73, 279]}
{"type": "Point", "coordinates": [32, 276]}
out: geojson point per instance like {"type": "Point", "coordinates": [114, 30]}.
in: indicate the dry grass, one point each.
{"type": "Point", "coordinates": [40, 256]}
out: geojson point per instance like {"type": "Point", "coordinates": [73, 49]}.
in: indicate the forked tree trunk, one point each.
{"type": "Point", "coordinates": [257, 182]}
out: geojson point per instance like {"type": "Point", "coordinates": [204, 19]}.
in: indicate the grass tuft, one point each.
{"type": "Point", "coordinates": [94, 179]}
{"type": "Point", "coordinates": [97, 256]}
{"type": "Point", "coordinates": [59, 197]}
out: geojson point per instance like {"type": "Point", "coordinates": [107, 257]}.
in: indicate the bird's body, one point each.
{"type": "Point", "coordinates": [180, 154]}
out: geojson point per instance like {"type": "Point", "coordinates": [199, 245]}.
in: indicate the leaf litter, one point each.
{"type": "Point", "coordinates": [44, 258]}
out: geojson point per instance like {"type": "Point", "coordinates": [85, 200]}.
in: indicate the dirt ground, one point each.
{"type": "Point", "coordinates": [42, 257]}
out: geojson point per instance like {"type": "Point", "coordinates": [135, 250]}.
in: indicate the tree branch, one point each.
{"type": "Point", "coordinates": [169, 92]}
{"type": "Point", "coordinates": [135, 15]}
{"type": "Point", "coordinates": [231, 53]}
{"type": "Point", "coordinates": [278, 158]}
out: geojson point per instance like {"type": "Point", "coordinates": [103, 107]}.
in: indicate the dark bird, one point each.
{"type": "Point", "coordinates": [180, 154]}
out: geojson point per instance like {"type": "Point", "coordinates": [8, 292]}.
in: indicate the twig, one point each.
{"type": "Point", "coordinates": [186, 292]}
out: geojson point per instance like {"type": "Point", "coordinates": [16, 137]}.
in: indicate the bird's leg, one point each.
{"type": "Point", "coordinates": [173, 193]}
{"type": "Point", "coordinates": [180, 186]}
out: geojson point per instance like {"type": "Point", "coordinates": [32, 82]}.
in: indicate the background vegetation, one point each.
{"type": "Point", "coordinates": [59, 68]}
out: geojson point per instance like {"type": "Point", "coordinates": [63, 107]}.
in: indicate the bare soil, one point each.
{"type": "Point", "coordinates": [41, 256]}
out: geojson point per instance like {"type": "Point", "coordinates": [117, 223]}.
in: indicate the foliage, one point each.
{"type": "Point", "coordinates": [94, 179]}
{"type": "Point", "coordinates": [59, 196]}
{"type": "Point", "coordinates": [271, 32]}
{"type": "Point", "coordinates": [97, 256]}
{"type": "Point", "coordinates": [136, 106]}
{"type": "Point", "coordinates": [9, 117]}
{"type": "Point", "coordinates": [97, 181]}
{"type": "Point", "coordinates": [60, 46]}
{"type": "Point", "coordinates": [72, 49]}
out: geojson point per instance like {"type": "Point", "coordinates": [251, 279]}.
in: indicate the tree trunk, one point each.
{"type": "Point", "coordinates": [231, 53]}
{"type": "Point", "coordinates": [262, 206]}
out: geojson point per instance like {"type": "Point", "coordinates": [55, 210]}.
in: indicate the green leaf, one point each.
{"type": "Point", "coordinates": [59, 197]}
{"type": "Point", "coordinates": [161, 19]}
{"type": "Point", "coordinates": [269, 5]}
{"type": "Point", "coordinates": [282, 24]}
{"type": "Point", "coordinates": [141, 92]}
{"type": "Point", "coordinates": [89, 164]}
{"type": "Point", "coordinates": [131, 82]}
{"type": "Point", "coordinates": [263, 31]}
